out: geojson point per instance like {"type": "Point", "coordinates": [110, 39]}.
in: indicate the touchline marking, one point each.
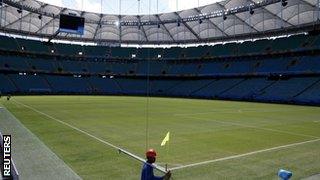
{"type": "Point", "coordinates": [236, 111]}
{"type": "Point", "coordinates": [164, 164]}
{"type": "Point", "coordinates": [34, 136]}
{"type": "Point", "coordinates": [255, 127]}
{"type": "Point", "coordinates": [243, 155]}
{"type": "Point", "coordinates": [160, 168]}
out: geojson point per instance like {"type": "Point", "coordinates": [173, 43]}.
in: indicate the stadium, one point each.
{"type": "Point", "coordinates": [222, 90]}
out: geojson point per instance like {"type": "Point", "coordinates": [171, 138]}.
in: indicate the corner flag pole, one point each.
{"type": "Point", "coordinates": [167, 154]}
{"type": "Point", "coordinates": [165, 142]}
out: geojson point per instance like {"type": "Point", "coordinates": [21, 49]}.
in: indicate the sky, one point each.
{"type": "Point", "coordinates": [130, 6]}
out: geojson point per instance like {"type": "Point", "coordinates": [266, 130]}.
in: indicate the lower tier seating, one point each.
{"type": "Point", "coordinates": [289, 89]}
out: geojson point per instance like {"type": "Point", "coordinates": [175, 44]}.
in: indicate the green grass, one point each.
{"type": "Point", "coordinates": [201, 130]}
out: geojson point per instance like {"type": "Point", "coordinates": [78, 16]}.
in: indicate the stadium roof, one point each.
{"type": "Point", "coordinates": [230, 19]}
{"type": "Point", "coordinates": [130, 7]}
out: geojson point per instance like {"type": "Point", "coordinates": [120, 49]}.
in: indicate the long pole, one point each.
{"type": "Point", "coordinates": [161, 169]}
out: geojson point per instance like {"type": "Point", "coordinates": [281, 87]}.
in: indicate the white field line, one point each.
{"type": "Point", "coordinates": [243, 155]}
{"type": "Point", "coordinates": [174, 165]}
{"type": "Point", "coordinates": [230, 111]}
{"type": "Point", "coordinates": [28, 131]}
{"type": "Point", "coordinates": [255, 127]}
{"type": "Point", "coordinates": [120, 150]}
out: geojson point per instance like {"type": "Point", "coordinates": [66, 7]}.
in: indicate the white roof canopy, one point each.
{"type": "Point", "coordinates": [193, 25]}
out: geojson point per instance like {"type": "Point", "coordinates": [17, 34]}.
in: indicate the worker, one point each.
{"type": "Point", "coordinates": [147, 170]}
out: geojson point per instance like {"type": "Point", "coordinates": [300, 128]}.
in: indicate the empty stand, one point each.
{"type": "Point", "coordinates": [281, 70]}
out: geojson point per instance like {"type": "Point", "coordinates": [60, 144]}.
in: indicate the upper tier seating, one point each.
{"type": "Point", "coordinates": [14, 63]}
{"type": "Point", "coordinates": [33, 46]}
{"type": "Point", "coordinates": [8, 43]}
{"type": "Point", "coordinates": [292, 43]}
{"type": "Point", "coordinates": [295, 64]}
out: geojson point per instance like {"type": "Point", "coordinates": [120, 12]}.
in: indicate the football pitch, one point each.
{"type": "Point", "coordinates": [208, 139]}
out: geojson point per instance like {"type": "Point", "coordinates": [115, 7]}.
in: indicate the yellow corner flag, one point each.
{"type": "Point", "coordinates": [165, 139]}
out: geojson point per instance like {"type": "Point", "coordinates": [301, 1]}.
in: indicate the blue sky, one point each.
{"type": "Point", "coordinates": [129, 6]}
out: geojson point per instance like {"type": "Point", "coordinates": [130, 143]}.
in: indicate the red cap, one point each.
{"type": "Point", "coordinates": [151, 153]}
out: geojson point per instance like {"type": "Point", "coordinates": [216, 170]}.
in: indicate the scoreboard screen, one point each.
{"type": "Point", "coordinates": [71, 24]}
